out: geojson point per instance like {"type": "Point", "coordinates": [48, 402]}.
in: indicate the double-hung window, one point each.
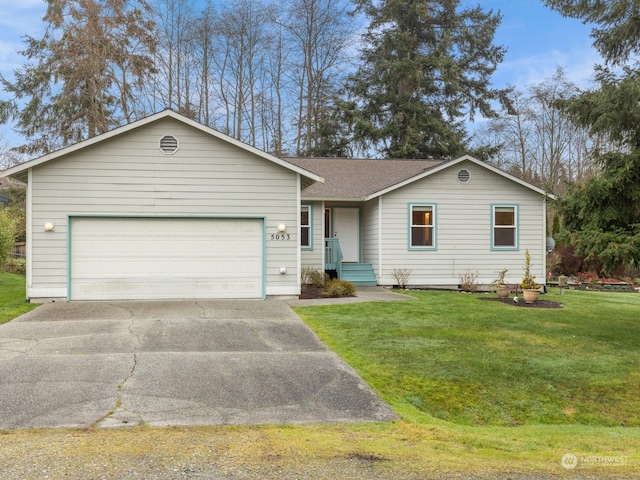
{"type": "Point", "coordinates": [504, 227]}
{"type": "Point", "coordinates": [305, 226]}
{"type": "Point", "coordinates": [422, 229]}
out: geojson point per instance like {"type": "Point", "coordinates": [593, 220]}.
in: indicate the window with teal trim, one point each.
{"type": "Point", "coordinates": [305, 226]}
{"type": "Point", "coordinates": [422, 226]}
{"type": "Point", "coordinates": [505, 227]}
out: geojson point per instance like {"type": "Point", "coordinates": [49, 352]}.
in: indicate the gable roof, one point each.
{"type": "Point", "coordinates": [20, 171]}
{"type": "Point", "coordinates": [357, 179]}
{"type": "Point", "coordinates": [361, 180]}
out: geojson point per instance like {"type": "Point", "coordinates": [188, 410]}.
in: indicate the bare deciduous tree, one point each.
{"type": "Point", "coordinates": [175, 55]}
{"type": "Point", "coordinates": [84, 75]}
{"type": "Point", "coordinates": [320, 31]}
{"type": "Point", "coordinates": [539, 142]}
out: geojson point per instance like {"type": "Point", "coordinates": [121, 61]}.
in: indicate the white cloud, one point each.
{"type": "Point", "coordinates": [534, 69]}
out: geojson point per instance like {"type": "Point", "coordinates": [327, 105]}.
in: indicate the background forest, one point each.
{"type": "Point", "coordinates": [361, 78]}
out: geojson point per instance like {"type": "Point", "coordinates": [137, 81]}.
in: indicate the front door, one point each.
{"type": "Point", "coordinates": [346, 228]}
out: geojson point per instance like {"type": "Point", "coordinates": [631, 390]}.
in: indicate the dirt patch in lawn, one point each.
{"type": "Point", "coordinates": [522, 303]}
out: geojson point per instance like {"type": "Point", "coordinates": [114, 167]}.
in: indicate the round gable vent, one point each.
{"type": "Point", "coordinates": [464, 176]}
{"type": "Point", "coordinates": [169, 144]}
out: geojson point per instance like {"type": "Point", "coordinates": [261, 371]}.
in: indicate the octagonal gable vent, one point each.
{"type": "Point", "coordinates": [169, 144]}
{"type": "Point", "coordinates": [464, 176]}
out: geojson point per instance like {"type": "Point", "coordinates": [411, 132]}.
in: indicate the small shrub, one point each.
{"type": "Point", "coordinates": [339, 288]}
{"type": "Point", "coordinates": [499, 280]}
{"type": "Point", "coordinates": [402, 276]}
{"type": "Point", "coordinates": [469, 281]}
{"type": "Point", "coordinates": [7, 236]}
{"type": "Point", "coordinates": [310, 277]}
{"type": "Point", "coordinates": [16, 265]}
{"type": "Point", "coordinates": [528, 279]}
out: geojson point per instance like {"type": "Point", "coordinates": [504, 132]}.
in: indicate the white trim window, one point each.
{"type": "Point", "coordinates": [504, 227]}
{"type": "Point", "coordinates": [422, 228]}
{"type": "Point", "coordinates": [305, 226]}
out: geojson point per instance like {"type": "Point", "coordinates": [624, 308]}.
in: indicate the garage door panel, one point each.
{"type": "Point", "coordinates": [132, 246]}
{"type": "Point", "coordinates": [166, 258]}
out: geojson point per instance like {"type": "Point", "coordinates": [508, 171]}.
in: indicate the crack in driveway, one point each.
{"type": "Point", "coordinates": [120, 414]}
{"type": "Point", "coordinates": [174, 363]}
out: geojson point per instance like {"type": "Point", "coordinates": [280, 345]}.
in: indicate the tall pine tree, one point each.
{"type": "Point", "coordinates": [425, 70]}
{"type": "Point", "coordinates": [602, 215]}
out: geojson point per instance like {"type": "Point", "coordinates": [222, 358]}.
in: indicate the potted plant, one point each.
{"type": "Point", "coordinates": [530, 288]}
{"type": "Point", "coordinates": [502, 289]}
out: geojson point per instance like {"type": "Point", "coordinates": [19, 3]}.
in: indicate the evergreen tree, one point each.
{"type": "Point", "coordinates": [83, 75]}
{"type": "Point", "coordinates": [602, 215]}
{"type": "Point", "coordinates": [425, 70]}
{"type": "Point", "coordinates": [616, 33]}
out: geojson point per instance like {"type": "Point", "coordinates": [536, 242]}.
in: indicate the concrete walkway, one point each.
{"type": "Point", "coordinates": [363, 294]}
{"type": "Point", "coordinates": [113, 364]}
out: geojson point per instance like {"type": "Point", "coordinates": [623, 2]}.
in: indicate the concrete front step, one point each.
{"type": "Point", "coordinates": [360, 274]}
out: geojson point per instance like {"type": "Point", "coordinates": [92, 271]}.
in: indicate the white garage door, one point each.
{"type": "Point", "coordinates": [165, 258]}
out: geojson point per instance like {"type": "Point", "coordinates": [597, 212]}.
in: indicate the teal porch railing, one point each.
{"type": "Point", "coordinates": [332, 255]}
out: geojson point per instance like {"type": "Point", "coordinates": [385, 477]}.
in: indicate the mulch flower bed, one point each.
{"type": "Point", "coordinates": [310, 293]}
{"type": "Point", "coordinates": [521, 303]}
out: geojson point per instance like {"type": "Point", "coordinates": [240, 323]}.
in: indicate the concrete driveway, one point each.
{"type": "Point", "coordinates": [173, 363]}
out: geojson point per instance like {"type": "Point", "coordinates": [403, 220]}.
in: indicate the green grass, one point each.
{"type": "Point", "coordinates": [453, 357]}
{"type": "Point", "coordinates": [12, 297]}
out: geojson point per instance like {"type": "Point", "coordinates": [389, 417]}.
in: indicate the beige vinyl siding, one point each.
{"type": "Point", "coordinates": [463, 228]}
{"type": "Point", "coordinates": [128, 175]}
{"type": "Point", "coordinates": [314, 258]}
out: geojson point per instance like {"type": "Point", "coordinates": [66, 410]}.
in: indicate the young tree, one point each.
{"type": "Point", "coordinates": [425, 69]}
{"type": "Point", "coordinates": [84, 75]}
{"type": "Point", "coordinates": [602, 215]}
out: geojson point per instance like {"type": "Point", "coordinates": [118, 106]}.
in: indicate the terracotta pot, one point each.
{"type": "Point", "coordinates": [530, 295]}
{"type": "Point", "coordinates": [503, 291]}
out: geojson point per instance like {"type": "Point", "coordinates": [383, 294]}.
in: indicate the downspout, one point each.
{"type": "Point", "coordinates": [544, 239]}
{"type": "Point", "coordinates": [379, 238]}
{"type": "Point", "coordinates": [29, 231]}
{"type": "Point", "coordinates": [299, 231]}
{"type": "Point", "coordinates": [323, 243]}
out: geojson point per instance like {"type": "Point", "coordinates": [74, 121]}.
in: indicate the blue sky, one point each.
{"type": "Point", "coordinates": [538, 41]}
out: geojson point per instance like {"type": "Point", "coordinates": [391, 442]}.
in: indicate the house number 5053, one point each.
{"type": "Point", "coordinates": [280, 236]}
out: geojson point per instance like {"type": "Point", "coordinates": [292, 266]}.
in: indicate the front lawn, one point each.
{"type": "Point", "coordinates": [12, 297]}
{"type": "Point", "coordinates": [454, 357]}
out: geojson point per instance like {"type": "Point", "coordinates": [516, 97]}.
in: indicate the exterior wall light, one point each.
{"type": "Point", "coordinates": [282, 227]}
{"type": "Point", "coordinates": [49, 226]}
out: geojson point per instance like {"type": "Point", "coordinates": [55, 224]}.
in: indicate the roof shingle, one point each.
{"type": "Point", "coordinates": [348, 178]}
